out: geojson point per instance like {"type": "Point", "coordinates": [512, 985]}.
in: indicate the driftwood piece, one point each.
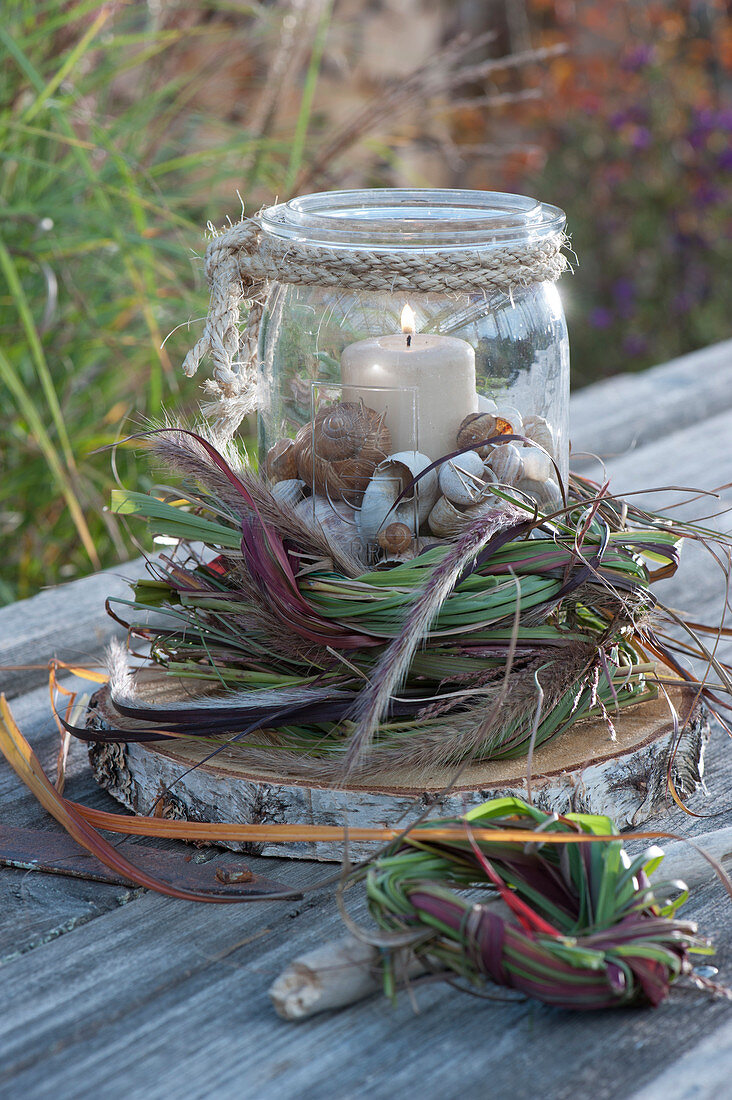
{"type": "Point", "coordinates": [581, 770]}
{"type": "Point", "coordinates": [347, 970]}
{"type": "Point", "coordinates": [338, 974]}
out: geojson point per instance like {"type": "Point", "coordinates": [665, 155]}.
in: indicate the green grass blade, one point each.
{"type": "Point", "coordinates": [55, 464]}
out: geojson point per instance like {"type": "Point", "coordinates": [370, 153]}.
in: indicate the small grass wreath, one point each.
{"type": "Point", "coordinates": [580, 927]}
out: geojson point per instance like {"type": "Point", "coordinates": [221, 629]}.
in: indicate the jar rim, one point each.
{"type": "Point", "coordinates": [419, 218]}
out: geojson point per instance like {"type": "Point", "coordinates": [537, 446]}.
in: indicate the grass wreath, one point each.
{"type": "Point", "coordinates": [579, 925]}
{"type": "Point", "coordinates": [311, 662]}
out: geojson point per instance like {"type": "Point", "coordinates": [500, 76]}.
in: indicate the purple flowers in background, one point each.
{"type": "Point", "coordinates": [601, 317]}
{"type": "Point", "coordinates": [624, 293]}
{"type": "Point", "coordinates": [646, 179]}
{"type": "Point", "coordinates": [634, 114]}
{"type": "Point", "coordinates": [706, 194]}
{"type": "Point", "coordinates": [641, 137]}
{"type": "Point", "coordinates": [683, 301]}
{"type": "Point", "coordinates": [724, 160]}
{"type": "Point", "coordinates": [637, 58]}
{"type": "Point", "coordinates": [635, 345]}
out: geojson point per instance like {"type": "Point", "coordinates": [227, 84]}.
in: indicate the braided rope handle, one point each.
{"type": "Point", "coordinates": [242, 262]}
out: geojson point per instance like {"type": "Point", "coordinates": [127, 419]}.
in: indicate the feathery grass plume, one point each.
{"type": "Point", "coordinates": [580, 927]}
{"type": "Point", "coordinates": [393, 666]}
{"type": "Point", "coordinates": [186, 454]}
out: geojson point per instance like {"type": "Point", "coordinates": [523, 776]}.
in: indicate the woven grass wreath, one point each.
{"type": "Point", "coordinates": [478, 647]}
{"type": "Point", "coordinates": [580, 925]}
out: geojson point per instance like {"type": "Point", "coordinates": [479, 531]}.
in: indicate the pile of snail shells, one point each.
{"type": "Point", "coordinates": [465, 492]}
{"type": "Point", "coordinates": [517, 463]}
{"type": "Point", "coordinates": [336, 454]}
{"type": "Point", "coordinates": [338, 473]}
{"type": "Point", "coordinates": [390, 498]}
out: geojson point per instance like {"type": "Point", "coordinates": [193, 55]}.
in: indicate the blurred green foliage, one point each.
{"type": "Point", "coordinates": [108, 172]}
{"type": "Point", "coordinates": [101, 209]}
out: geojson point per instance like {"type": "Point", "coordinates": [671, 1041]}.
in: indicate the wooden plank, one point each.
{"type": "Point", "coordinates": [141, 997]}
{"type": "Point", "coordinates": [694, 457]}
{"type": "Point", "coordinates": [629, 410]}
{"type": "Point", "coordinates": [36, 908]}
{"type": "Point", "coordinates": [67, 622]}
{"type": "Point", "coordinates": [702, 1071]}
{"type": "Point", "coordinates": [132, 1003]}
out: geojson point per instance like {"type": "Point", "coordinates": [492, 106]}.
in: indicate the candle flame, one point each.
{"type": "Point", "coordinates": [409, 321]}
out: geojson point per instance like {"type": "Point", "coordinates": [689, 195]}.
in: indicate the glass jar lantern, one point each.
{"type": "Point", "coordinates": [431, 328]}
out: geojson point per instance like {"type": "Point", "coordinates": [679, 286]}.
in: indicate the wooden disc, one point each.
{"type": "Point", "coordinates": [581, 770]}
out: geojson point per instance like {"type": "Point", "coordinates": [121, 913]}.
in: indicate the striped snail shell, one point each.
{"type": "Point", "coordinates": [537, 465]}
{"type": "Point", "coordinates": [290, 491]}
{"type": "Point", "coordinates": [397, 538]}
{"type": "Point", "coordinates": [462, 479]}
{"type": "Point", "coordinates": [506, 463]}
{"type": "Point", "coordinates": [392, 478]}
{"type": "Point", "coordinates": [445, 519]}
{"type": "Point", "coordinates": [339, 524]}
{"type": "Point", "coordinates": [337, 454]}
{"type": "Point", "coordinates": [538, 429]}
{"type": "Point", "coordinates": [546, 493]}
{"type": "Point", "coordinates": [509, 420]}
{"type": "Point", "coordinates": [475, 428]}
{"type": "Point", "coordinates": [281, 463]}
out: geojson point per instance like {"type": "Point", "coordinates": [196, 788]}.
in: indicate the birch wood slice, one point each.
{"type": "Point", "coordinates": [581, 770]}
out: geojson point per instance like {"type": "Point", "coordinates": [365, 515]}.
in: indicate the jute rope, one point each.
{"type": "Point", "coordinates": [242, 262]}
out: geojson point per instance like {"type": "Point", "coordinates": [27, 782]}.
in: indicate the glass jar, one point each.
{"type": "Point", "coordinates": [387, 382]}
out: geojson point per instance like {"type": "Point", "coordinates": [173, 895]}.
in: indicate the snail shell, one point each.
{"type": "Point", "coordinates": [509, 420]}
{"type": "Point", "coordinates": [318, 512]}
{"type": "Point", "coordinates": [396, 538]}
{"type": "Point", "coordinates": [289, 492]}
{"type": "Point", "coordinates": [462, 479]}
{"type": "Point", "coordinates": [390, 478]}
{"type": "Point", "coordinates": [506, 463]}
{"type": "Point", "coordinates": [445, 519]}
{"type": "Point", "coordinates": [538, 429]}
{"type": "Point", "coordinates": [537, 465]}
{"type": "Point", "coordinates": [475, 428]}
{"type": "Point", "coordinates": [546, 493]}
{"type": "Point", "coordinates": [486, 404]}
{"type": "Point", "coordinates": [415, 547]}
{"type": "Point", "coordinates": [281, 461]}
{"type": "Point", "coordinates": [338, 453]}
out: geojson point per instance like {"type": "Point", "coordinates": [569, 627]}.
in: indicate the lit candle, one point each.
{"type": "Point", "coordinates": [436, 375]}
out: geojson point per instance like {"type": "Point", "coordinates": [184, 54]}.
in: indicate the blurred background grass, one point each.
{"type": "Point", "coordinates": [125, 127]}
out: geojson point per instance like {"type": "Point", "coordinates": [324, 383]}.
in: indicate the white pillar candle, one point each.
{"type": "Point", "coordinates": [439, 369]}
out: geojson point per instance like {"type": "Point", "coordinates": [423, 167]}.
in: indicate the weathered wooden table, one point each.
{"type": "Point", "coordinates": [115, 992]}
